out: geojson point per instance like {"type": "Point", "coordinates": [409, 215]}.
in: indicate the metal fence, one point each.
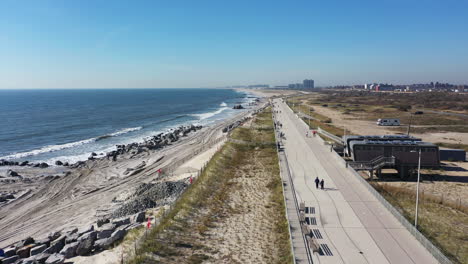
{"type": "Point", "coordinates": [330, 135]}
{"type": "Point", "coordinates": [284, 199]}
{"type": "Point", "coordinates": [291, 183]}
{"type": "Point", "coordinates": [174, 165]}
{"type": "Point", "coordinates": [435, 251]}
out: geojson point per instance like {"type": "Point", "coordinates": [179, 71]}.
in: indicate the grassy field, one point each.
{"type": "Point", "coordinates": [443, 101]}
{"type": "Point", "coordinates": [319, 121]}
{"type": "Point", "coordinates": [188, 233]}
{"type": "Point", "coordinates": [372, 106]}
{"type": "Point", "coordinates": [445, 224]}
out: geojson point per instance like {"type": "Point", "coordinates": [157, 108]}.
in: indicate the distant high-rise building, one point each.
{"type": "Point", "coordinates": [308, 84]}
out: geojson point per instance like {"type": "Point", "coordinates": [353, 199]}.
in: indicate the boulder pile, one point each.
{"type": "Point", "coordinates": [235, 124]}
{"type": "Point", "coordinates": [150, 195]}
{"type": "Point", "coordinates": [155, 142]}
{"type": "Point", "coordinates": [239, 106]}
{"type": "Point", "coordinates": [58, 246]}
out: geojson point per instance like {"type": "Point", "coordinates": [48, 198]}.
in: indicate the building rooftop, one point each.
{"type": "Point", "coordinates": [393, 142]}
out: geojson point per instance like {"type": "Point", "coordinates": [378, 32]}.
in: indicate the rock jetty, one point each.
{"type": "Point", "coordinates": [153, 143]}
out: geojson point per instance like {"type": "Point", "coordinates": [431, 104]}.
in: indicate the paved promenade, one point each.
{"type": "Point", "coordinates": [349, 223]}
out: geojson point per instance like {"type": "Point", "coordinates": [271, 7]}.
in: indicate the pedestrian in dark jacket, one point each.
{"type": "Point", "coordinates": [317, 181]}
{"type": "Point", "coordinates": [322, 182]}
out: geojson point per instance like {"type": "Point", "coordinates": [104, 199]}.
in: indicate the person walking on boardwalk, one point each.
{"type": "Point", "coordinates": [317, 181]}
{"type": "Point", "coordinates": [322, 182]}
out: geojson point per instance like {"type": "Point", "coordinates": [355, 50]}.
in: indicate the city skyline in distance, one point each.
{"type": "Point", "coordinates": [88, 44]}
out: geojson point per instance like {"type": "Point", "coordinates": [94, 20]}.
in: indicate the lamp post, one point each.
{"type": "Point", "coordinates": [417, 189]}
{"type": "Point", "coordinates": [409, 125]}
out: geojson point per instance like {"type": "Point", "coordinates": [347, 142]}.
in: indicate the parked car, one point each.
{"type": "Point", "coordinates": [388, 122]}
{"type": "Point", "coordinates": [418, 112]}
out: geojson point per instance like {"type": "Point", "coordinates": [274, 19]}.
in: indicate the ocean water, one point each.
{"type": "Point", "coordinates": [67, 125]}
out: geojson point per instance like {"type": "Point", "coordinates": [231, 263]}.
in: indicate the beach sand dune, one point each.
{"type": "Point", "coordinates": [78, 197]}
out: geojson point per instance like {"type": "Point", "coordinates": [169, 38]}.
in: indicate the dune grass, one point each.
{"type": "Point", "coordinates": [179, 236]}
{"type": "Point", "coordinates": [445, 224]}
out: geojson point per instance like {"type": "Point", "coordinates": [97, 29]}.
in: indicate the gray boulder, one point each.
{"type": "Point", "coordinates": [55, 259]}
{"type": "Point", "coordinates": [12, 173]}
{"type": "Point", "coordinates": [10, 260]}
{"type": "Point", "coordinates": [41, 258]}
{"type": "Point", "coordinates": [101, 222]}
{"type": "Point", "coordinates": [139, 217]}
{"type": "Point", "coordinates": [106, 231]}
{"type": "Point", "coordinates": [54, 236]}
{"type": "Point", "coordinates": [38, 249]}
{"type": "Point", "coordinates": [88, 229]}
{"type": "Point", "coordinates": [56, 245]}
{"type": "Point", "coordinates": [86, 242]}
{"type": "Point", "coordinates": [59, 243]}
{"type": "Point", "coordinates": [69, 250]}
{"type": "Point", "coordinates": [24, 252]}
{"type": "Point", "coordinates": [45, 241]}
{"type": "Point", "coordinates": [71, 238]}
{"type": "Point", "coordinates": [10, 252]}
{"type": "Point", "coordinates": [102, 244]}
{"type": "Point", "coordinates": [117, 235]}
{"type": "Point", "coordinates": [121, 221]}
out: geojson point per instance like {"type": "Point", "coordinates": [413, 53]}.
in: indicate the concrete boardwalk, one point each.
{"type": "Point", "coordinates": [349, 223]}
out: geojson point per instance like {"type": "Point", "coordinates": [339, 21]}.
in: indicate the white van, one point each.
{"type": "Point", "coordinates": [388, 122]}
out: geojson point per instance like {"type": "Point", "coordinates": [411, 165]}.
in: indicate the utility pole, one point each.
{"type": "Point", "coordinates": [409, 125]}
{"type": "Point", "coordinates": [417, 191]}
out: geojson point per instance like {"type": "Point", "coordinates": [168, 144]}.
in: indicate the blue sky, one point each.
{"type": "Point", "coordinates": [116, 44]}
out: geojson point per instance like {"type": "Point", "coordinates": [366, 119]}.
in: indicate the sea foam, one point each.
{"type": "Point", "coordinates": [210, 114]}
{"type": "Point", "coordinates": [52, 148]}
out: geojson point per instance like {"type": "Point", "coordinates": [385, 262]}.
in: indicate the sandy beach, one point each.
{"type": "Point", "coordinates": [59, 198]}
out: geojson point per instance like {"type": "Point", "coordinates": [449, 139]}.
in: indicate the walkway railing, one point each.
{"type": "Point", "coordinates": [435, 251]}
{"type": "Point", "coordinates": [330, 135]}
{"type": "Point", "coordinates": [296, 203]}
{"type": "Point", "coordinates": [374, 164]}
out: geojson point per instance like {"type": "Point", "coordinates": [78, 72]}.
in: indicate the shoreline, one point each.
{"type": "Point", "coordinates": [79, 148]}
{"type": "Point", "coordinates": [78, 196]}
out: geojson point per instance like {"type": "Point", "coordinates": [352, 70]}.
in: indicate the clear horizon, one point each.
{"type": "Point", "coordinates": [208, 44]}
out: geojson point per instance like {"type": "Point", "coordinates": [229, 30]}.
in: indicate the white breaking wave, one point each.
{"type": "Point", "coordinates": [210, 114]}
{"type": "Point", "coordinates": [223, 104]}
{"type": "Point", "coordinates": [125, 131]}
{"type": "Point", "coordinates": [46, 149]}
{"type": "Point", "coordinates": [52, 148]}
